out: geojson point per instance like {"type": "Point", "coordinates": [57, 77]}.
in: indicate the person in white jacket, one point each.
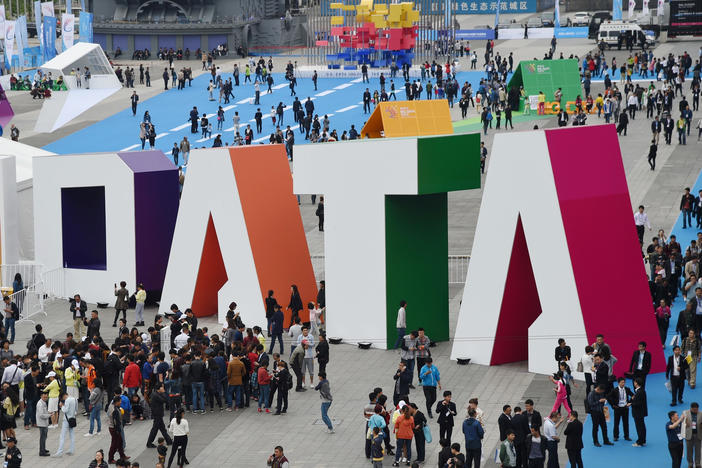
{"type": "Point", "coordinates": [68, 411]}
{"type": "Point", "coordinates": [179, 430]}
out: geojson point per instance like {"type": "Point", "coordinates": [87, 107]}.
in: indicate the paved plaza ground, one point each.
{"type": "Point", "coordinates": [246, 438]}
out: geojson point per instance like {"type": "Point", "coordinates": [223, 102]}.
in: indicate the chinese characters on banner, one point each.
{"type": "Point", "coordinates": [479, 7]}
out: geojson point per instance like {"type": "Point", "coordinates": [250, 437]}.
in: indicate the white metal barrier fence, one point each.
{"type": "Point", "coordinates": [457, 266]}
{"type": "Point", "coordinates": [39, 287]}
{"type": "Point", "coordinates": [52, 284]}
{"type": "Point", "coordinates": [30, 273]}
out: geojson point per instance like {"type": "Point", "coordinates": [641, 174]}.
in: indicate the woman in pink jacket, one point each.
{"type": "Point", "coordinates": [561, 393]}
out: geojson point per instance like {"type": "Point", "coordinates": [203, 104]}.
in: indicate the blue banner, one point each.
{"type": "Point", "coordinates": [574, 32]}
{"type": "Point", "coordinates": [21, 38]}
{"type": "Point", "coordinates": [617, 10]}
{"type": "Point", "coordinates": [49, 38]}
{"type": "Point", "coordinates": [85, 27]}
{"type": "Point", "coordinates": [37, 23]}
{"type": "Point", "coordinates": [475, 34]}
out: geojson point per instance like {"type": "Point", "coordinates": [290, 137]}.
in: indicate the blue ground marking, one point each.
{"type": "Point", "coordinates": [655, 453]}
{"type": "Point", "coordinates": [337, 97]}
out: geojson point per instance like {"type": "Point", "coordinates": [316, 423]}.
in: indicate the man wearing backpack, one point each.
{"type": "Point", "coordinates": [11, 314]}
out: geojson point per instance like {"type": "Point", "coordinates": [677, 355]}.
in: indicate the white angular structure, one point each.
{"type": "Point", "coordinates": [64, 106]}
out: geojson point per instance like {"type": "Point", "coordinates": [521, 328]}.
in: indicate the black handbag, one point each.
{"type": "Point", "coordinates": [71, 422]}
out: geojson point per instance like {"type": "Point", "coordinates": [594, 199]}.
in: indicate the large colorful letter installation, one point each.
{"type": "Point", "coordinates": [386, 232]}
{"type": "Point", "coordinates": [105, 218]}
{"type": "Point", "coordinates": [238, 234]}
{"type": "Point", "coordinates": [535, 274]}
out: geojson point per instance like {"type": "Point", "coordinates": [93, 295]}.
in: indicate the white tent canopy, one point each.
{"type": "Point", "coordinates": [79, 56]}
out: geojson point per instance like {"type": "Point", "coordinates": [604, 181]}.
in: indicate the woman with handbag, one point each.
{"type": "Point", "coordinates": [420, 422]}
{"type": "Point", "coordinates": [68, 416]}
{"type": "Point", "coordinates": [10, 407]}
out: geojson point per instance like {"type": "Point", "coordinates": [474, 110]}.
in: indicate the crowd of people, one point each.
{"type": "Point", "coordinates": [128, 380]}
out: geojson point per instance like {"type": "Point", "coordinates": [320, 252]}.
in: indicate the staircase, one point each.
{"type": "Point", "coordinates": [271, 9]}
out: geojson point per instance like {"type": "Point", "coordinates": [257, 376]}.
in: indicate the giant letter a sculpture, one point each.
{"type": "Point", "coordinates": [538, 271]}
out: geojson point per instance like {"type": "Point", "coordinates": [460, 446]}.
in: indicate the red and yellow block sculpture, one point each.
{"type": "Point", "coordinates": [380, 26]}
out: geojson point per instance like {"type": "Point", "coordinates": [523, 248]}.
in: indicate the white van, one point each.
{"type": "Point", "coordinates": [611, 30]}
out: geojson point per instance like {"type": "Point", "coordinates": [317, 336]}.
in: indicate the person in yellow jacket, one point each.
{"type": "Point", "coordinates": [682, 125]}
{"type": "Point", "coordinates": [73, 379]}
{"type": "Point", "coordinates": [58, 368]}
{"type": "Point", "coordinates": [140, 300]}
{"type": "Point", "coordinates": [54, 390]}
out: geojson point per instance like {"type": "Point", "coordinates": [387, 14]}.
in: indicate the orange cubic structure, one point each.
{"type": "Point", "coordinates": [409, 118]}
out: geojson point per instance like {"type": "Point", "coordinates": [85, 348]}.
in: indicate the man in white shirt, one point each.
{"type": "Point", "coordinates": [675, 371]}
{"type": "Point", "coordinates": [550, 432]}
{"type": "Point", "coordinates": [44, 351]}
{"type": "Point", "coordinates": [401, 323]}
{"type": "Point", "coordinates": [295, 332]}
{"type": "Point", "coordinates": [182, 339]}
{"type": "Point", "coordinates": [587, 363]}
{"type": "Point", "coordinates": [642, 222]}
{"type": "Point", "coordinates": [308, 361]}
{"type": "Point", "coordinates": [619, 398]}
{"type": "Point", "coordinates": [12, 375]}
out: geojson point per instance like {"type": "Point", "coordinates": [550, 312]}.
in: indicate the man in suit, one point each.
{"type": "Point", "coordinates": [562, 352]}
{"type": "Point", "coordinates": [520, 424]}
{"type": "Point", "coordinates": [639, 410]}
{"type": "Point", "coordinates": [619, 399]}
{"type": "Point", "coordinates": [505, 422]}
{"type": "Point", "coordinates": [445, 411]}
{"type": "Point", "coordinates": [574, 440]}
{"type": "Point", "coordinates": [675, 371]}
{"type": "Point", "coordinates": [640, 364]}
{"type": "Point", "coordinates": [601, 371]}
{"type": "Point", "coordinates": [691, 434]}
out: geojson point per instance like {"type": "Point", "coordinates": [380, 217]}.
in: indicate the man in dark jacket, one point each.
{"type": "Point", "coordinates": [640, 364]}
{"type": "Point", "coordinates": [639, 410]}
{"type": "Point", "coordinates": [277, 328]}
{"type": "Point", "coordinates": [574, 440]}
{"type": "Point", "coordinates": [445, 411]}
{"type": "Point", "coordinates": [562, 352]}
{"type": "Point", "coordinates": [322, 350]}
{"type": "Point", "coordinates": [158, 400]}
{"type": "Point", "coordinates": [504, 422]}
{"type": "Point", "coordinates": [93, 325]}
{"type": "Point", "coordinates": [675, 371]}
{"type": "Point", "coordinates": [687, 207]}
{"type": "Point", "coordinates": [596, 400]}
{"type": "Point", "coordinates": [520, 425]}
{"type": "Point", "coordinates": [322, 295]}
{"type": "Point", "coordinates": [113, 365]}
{"type": "Point", "coordinates": [198, 374]}
{"type": "Point", "coordinates": [601, 370]}
{"type": "Point", "coordinates": [403, 378]}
